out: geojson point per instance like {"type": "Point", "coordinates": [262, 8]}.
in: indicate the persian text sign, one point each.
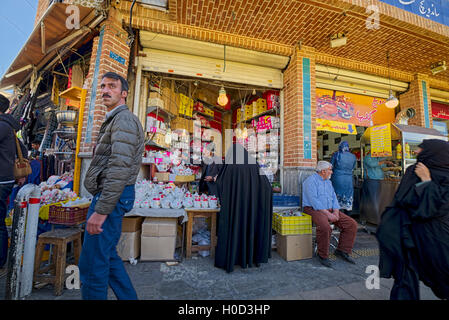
{"type": "Point", "coordinates": [352, 108]}
{"type": "Point", "coordinates": [436, 10]}
{"type": "Point", "coordinates": [380, 138]}
{"type": "Point", "coordinates": [440, 110]}
{"type": "Point", "coordinates": [335, 126]}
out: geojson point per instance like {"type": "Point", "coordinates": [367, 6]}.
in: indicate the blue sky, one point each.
{"type": "Point", "coordinates": [16, 24]}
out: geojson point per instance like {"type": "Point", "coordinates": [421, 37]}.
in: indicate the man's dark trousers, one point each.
{"type": "Point", "coordinates": [5, 191]}
{"type": "Point", "coordinates": [100, 265]}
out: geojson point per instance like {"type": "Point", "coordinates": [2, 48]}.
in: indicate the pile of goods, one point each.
{"type": "Point", "coordinates": [168, 196]}
{"type": "Point", "coordinates": [55, 189]}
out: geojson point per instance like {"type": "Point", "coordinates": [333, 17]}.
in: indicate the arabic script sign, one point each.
{"type": "Point", "coordinates": [380, 138]}
{"type": "Point", "coordinates": [335, 126]}
{"type": "Point", "coordinates": [440, 110]}
{"type": "Point", "coordinates": [436, 10]}
{"type": "Point", "coordinates": [352, 108]}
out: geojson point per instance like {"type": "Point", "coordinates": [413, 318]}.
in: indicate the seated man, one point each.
{"type": "Point", "coordinates": [320, 202]}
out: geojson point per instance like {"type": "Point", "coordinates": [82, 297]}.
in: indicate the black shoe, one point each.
{"type": "Point", "coordinates": [344, 256]}
{"type": "Point", "coordinates": [325, 262]}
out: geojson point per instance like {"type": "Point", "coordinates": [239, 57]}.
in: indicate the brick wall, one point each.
{"type": "Point", "coordinates": [293, 110]}
{"type": "Point", "coordinates": [113, 40]}
{"type": "Point", "coordinates": [41, 8]}
{"type": "Point", "coordinates": [414, 98]}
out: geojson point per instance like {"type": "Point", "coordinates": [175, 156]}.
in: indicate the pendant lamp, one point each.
{"type": "Point", "coordinates": [222, 97]}
{"type": "Point", "coordinates": [392, 102]}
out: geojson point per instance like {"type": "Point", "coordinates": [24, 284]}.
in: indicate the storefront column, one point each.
{"type": "Point", "coordinates": [300, 150]}
{"type": "Point", "coordinates": [418, 97]}
{"type": "Point", "coordinates": [110, 52]}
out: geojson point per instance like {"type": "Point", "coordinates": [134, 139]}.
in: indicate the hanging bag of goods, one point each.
{"type": "Point", "coordinates": [22, 167]}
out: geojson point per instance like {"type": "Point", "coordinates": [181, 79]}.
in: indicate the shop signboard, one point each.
{"type": "Point", "coordinates": [380, 138]}
{"type": "Point", "coordinates": [435, 10]}
{"type": "Point", "coordinates": [440, 111]}
{"type": "Point", "coordinates": [335, 126]}
{"type": "Point", "coordinates": [357, 109]}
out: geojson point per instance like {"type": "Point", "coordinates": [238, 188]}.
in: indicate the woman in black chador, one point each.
{"type": "Point", "coordinates": [244, 221]}
{"type": "Point", "coordinates": [413, 233]}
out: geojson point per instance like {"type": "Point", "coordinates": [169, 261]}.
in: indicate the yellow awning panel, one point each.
{"type": "Point", "coordinates": [335, 126]}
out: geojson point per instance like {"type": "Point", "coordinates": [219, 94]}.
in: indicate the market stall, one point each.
{"type": "Point", "coordinates": [185, 120]}
{"type": "Point", "coordinates": [397, 144]}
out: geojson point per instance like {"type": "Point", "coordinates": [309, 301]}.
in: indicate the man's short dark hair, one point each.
{"type": "Point", "coordinates": [4, 103]}
{"type": "Point", "coordinates": [115, 76]}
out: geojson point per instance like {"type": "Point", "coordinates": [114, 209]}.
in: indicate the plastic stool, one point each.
{"type": "Point", "coordinates": [58, 238]}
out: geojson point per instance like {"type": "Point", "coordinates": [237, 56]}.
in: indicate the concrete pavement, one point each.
{"type": "Point", "coordinates": [198, 279]}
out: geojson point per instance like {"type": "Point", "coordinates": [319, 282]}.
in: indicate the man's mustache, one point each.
{"type": "Point", "coordinates": [106, 96]}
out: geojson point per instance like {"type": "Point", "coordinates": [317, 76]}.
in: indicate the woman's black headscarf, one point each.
{"type": "Point", "coordinates": [435, 156]}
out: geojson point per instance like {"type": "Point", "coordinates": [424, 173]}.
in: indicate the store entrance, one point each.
{"type": "Point", "coordinates": [182, 116]}
{"type": "Point", "coordinates": [328, 143]}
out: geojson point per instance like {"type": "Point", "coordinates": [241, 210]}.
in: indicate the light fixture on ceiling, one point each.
{"type": "Point", "coordinates": [338, 40]}
{"type": "Point", "coordinates": [254, 92]}
{"type": "Point", "coordinates": [222, 97]}
{"type": "Point", "coordinates": [438, 67]}
{"type": "Point", "coordinates": [392, 102]}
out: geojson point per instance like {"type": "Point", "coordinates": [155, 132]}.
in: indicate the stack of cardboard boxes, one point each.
{"type": "Point", "coordinates": [153, 239]}
{"type": "Point", "coordinates": [129, 244]}
{"type": "Point", "coordinates": [164, 97]}
{"type": "Point", "coordinates": [158, 239]}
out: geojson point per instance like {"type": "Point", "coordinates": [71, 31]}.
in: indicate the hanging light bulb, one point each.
{"type": "Point", "coordinates": [254, 92]}
{"type": "Point", "coordinates": [392, 102]}
{"type": "Point", "coordinates": [222, 97]}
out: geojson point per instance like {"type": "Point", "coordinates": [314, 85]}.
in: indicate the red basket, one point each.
{"type": "Point", "coordinates": [68, 215]}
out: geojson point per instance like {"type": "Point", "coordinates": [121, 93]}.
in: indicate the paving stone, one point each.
{"type": "Point", "coordinates": [359, 290]}
{"type": "Point", "coordinates": [330, 293]}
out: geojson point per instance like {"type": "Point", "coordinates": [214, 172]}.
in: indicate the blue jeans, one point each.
{"type": "Point", "coordinates": [5, 191]}
{"type": "Point", "coordinates": [99, 264]}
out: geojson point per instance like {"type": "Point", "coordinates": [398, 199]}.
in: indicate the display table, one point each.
{"type": "Point", "coordinates": [201, 213]}
{"type": "Point", "coordinates": [158, 213]}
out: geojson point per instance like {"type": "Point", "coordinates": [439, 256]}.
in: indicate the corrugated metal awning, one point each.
{"type": "Point", "coordinates": [49, 34]}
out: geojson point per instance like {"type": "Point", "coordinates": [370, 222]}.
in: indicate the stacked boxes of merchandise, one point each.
{"type": "Point", "coordinates": [158, 239]}
{"type": "Point", "coordinates": [128, 246]}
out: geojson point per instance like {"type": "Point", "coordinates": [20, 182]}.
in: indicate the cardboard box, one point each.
{"type": "Point", "coordinates": [157, 248]}
{"type": "Point", "coordinates": [132, 224]}
{"type": "Point", "coordinates": [294, 247]}
{"type": "Point", "coordinates": [189, 178]}
{"type": "Point", "coordinates": [162, 176]}
{"type": "Point", "coordinates": [159, 227]}
{"type": "Point", "coordinates": [128, 246]}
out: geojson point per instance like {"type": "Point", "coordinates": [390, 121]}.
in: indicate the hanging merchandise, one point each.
{"type": "Point", "coordinates": [55, 92]}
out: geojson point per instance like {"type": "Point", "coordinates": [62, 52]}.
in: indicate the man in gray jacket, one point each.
{"type": "Point", "coordinates": [110, 179]}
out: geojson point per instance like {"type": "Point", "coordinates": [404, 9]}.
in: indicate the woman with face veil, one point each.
{"type": "Point", "coordinates": [244, 221]}
{"type": "Point", "coordinates": [413, 233]}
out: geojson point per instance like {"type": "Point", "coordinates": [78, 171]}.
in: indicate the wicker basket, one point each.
{"type": "Point", "coordinates": [68, 215]}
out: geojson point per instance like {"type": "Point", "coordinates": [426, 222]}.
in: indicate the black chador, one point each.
{"type": "Point", "coordinates": [413, 233]}
{"type": "Point", "coordinates": [244, 221]}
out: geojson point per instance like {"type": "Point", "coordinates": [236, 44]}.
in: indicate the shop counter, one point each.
{"type": "Point", "coordinates": [376, 196]}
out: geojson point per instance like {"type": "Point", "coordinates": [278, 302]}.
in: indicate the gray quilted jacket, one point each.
{"type": "Point", "coordinates": [117, 158]}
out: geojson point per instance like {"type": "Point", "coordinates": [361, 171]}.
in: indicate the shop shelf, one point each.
{"type": "Point", "coordinates": [162, 112]}
{"type": "Point", "coordinates": [203, 114]}
{"type": "Point", "coordinates": [73, 93]}
{"type": "Point", "coordinates": [259, 115]}
{"type": "Point", "coordinates": [154, 144]}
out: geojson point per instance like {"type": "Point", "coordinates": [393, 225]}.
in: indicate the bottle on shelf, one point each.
{"type": "Point", "coordinates": [399, 151]}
